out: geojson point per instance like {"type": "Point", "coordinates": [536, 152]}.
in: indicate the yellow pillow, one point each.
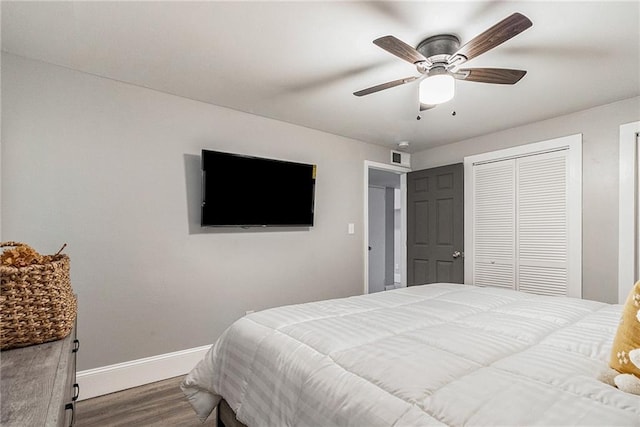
{"type": "Point", "coordinates": [628, 336]}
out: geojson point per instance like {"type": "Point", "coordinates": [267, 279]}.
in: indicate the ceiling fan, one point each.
{"type": "Point", "coordinates": [438, 60]}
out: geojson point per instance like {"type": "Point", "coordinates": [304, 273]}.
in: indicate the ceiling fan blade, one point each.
{"type": "Point", "coordinates": [383, 86]}
{"type": "Point", "coordinates": [502, 76]}
{"type": "Point", "coordinates": [399, 49]}
{"type": "Point", "coordinates": [509, 27]}
{"type": "Point", "coordinates": [424, 107]}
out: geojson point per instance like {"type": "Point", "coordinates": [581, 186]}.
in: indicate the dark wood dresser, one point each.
{"type": "Point", "coordinates": [38, 384]}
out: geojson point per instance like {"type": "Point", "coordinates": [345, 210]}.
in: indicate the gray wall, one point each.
{"type": "Point", "coordinates": [113, 170]}
{"type": "Point", "coordinates": [600, 128]}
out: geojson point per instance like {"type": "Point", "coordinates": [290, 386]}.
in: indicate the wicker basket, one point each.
{"type": "Point", "coordinates": [37, 303]}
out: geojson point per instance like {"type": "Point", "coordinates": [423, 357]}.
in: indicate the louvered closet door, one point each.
{"type": "Point", "coordinates": [542, 224]}
{"type": "Point", "coordinates": [494, 224]}
{"type": "Point", "coordinates": [520, 223]}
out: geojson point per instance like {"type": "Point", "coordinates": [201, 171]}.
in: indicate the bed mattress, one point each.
{"type": "Point", "coordinates": [432, 355]}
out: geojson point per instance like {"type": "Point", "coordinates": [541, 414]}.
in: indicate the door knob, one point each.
{"type": "Point", "coordinates": [456, 254]}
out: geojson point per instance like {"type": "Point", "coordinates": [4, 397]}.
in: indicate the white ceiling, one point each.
{"type": "Point", "coordinates": [300, 62]}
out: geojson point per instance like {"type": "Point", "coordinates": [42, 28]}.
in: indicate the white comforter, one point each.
{"type": "Point", "coordinates": [438, 354]}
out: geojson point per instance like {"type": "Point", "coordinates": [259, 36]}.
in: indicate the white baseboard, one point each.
{"type": "Point", "coordinates": [121, 376]}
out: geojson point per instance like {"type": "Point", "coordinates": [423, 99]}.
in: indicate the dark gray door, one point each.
{"type": "Point", "coordinates": [435, 225]}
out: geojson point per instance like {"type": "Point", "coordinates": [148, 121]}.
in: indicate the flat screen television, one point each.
{"type": "Point", "coordinates": [247, 191]}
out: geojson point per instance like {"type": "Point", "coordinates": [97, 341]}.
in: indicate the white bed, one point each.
{"type": "Point", "coordinates": [440, 354]}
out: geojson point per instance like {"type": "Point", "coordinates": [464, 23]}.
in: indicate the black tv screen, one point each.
{"type": "Point", "coordinates": [246, 191]}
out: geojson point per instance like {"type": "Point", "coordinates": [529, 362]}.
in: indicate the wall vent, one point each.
{"type": "Point", "coordinates": [400, 158]}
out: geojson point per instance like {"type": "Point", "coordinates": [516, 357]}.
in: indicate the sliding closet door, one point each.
{"type": "Point", "coordinates": [524, 227]}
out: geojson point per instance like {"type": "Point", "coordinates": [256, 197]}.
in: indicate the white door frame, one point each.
{"type": "Point", "coordinates": [402, 171]}
{"type": "Point", "coordinates": [628, 210]}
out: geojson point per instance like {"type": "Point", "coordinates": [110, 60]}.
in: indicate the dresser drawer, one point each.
{"type": "Point", "coordinates": [37, 384]}
{"type": "Point", "coordinates": [72, 385]}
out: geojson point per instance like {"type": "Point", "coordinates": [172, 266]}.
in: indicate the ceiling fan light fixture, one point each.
{"type": "Point", "coordinates": [437, 89]}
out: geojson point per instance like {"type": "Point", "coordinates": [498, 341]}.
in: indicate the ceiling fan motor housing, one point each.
{"type": "Point", "coordinates": [439, 48]}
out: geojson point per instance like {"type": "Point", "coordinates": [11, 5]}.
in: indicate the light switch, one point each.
{"type": "Point", "coordinates": [351, 228]}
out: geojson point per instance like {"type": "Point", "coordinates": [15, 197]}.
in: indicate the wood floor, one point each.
{"type": "Point", "coordinates": [158, 404]}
